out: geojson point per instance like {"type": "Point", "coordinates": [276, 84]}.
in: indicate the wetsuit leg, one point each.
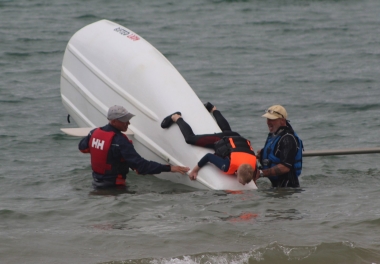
{"type": "Point", "coordinates": [224, 125]}
{"type": "Point", "coordinates": [221, 121]}
{"type": "Point", "coordinates": [203, 140]}
{"type": "Point", "coordinates": [103, 183]}
{"type": "Point", "coordinates": [284, 181]}
{"type": "Point", "coordinates": [186, 130]}
{"type": "Point", "coordinates": [288, 180]}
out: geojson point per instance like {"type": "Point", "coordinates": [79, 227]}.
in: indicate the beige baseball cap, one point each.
{"type": "Point", "coordinates": [275, 112]}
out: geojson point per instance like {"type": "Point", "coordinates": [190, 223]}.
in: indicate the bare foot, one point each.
{"type": "Point", "coordinates": [175, 117]}
{"type": "Point", "coordinates": [213, 109]}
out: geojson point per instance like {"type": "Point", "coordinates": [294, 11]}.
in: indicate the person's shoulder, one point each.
{"type": "Point", "coordinates": [108, 128]}
{"type": "Point", "coordinates": [289, 138]}
{"type": "Point", "coordinates": [122, 139]}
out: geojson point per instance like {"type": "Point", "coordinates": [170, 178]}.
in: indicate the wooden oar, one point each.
{"type": "Point", "coordinates": [340, 152]}
{"type": "Point", "coordinates": [83, 131]}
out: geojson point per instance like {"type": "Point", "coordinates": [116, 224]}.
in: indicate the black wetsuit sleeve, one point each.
{"type": "Point", "coordinates": [287, 150]}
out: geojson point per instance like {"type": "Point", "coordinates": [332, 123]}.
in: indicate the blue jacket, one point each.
{"type": "Point", "coordinates": [283, 148]}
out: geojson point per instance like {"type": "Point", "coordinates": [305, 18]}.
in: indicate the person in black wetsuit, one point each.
{"type": "Point", "coordinates": [281, 157]}
{"type": "Point", "coordinates": [112, 153]}
{"type": "Point", "coordinates": [237, 158]}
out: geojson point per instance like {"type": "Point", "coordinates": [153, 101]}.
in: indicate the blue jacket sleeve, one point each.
{"type": "Point", "coordinates": [135, 161]}
{"type": "Point", "coordinates": [83, 145]}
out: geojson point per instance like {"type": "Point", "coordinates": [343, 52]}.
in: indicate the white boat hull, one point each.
{"type": "Point", "coordinates": [107, 64]}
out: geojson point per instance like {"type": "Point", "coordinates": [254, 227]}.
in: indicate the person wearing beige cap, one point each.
{"type": "Point", "coordinates": [281, 157]}
{"type": "Point", "coordinates": [113, 154]}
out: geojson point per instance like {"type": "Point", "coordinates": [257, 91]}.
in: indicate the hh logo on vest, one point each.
{"type": "Point", "coordinates": [97, 143]}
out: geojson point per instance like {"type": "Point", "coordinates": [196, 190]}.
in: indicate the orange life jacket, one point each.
{"type": "Point", "coordinates": [239, 158]}
{"type": "Point", "coordinates": [238, 149]}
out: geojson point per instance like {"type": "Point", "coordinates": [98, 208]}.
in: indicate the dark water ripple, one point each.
{"type": "Point", "coordinates": [318, 58]}
{"type": "Point", "coordinates": [344, 252]}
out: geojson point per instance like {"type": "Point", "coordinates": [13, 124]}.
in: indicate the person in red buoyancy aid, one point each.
{"type": "Point", "coordinates": [112, 153]}
{"type": "Point", "coordinates": [233, 153]}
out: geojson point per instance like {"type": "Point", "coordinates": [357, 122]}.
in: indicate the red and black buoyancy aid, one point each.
{"type": "Point", "coordinates": [100, 144]}
{"type": "Point", "coordinates": [238, 149]}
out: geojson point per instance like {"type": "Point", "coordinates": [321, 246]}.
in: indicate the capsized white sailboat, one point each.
{"type": "Point", "coordinates": [107, 64]}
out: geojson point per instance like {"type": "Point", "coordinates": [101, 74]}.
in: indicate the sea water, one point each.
{"type": "Point", "coordinates": [318, 58]}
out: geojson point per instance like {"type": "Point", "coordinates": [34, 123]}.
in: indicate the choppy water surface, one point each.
{"type": "Point", "coordinates": [320, 59]}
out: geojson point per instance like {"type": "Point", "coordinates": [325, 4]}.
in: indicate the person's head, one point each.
{"type": "Point", "coordinates": [119, 117]}
{"type": "Point", "coordinates": [245, 173]}
{"type": "Point", "coordinates": [276, 117]}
